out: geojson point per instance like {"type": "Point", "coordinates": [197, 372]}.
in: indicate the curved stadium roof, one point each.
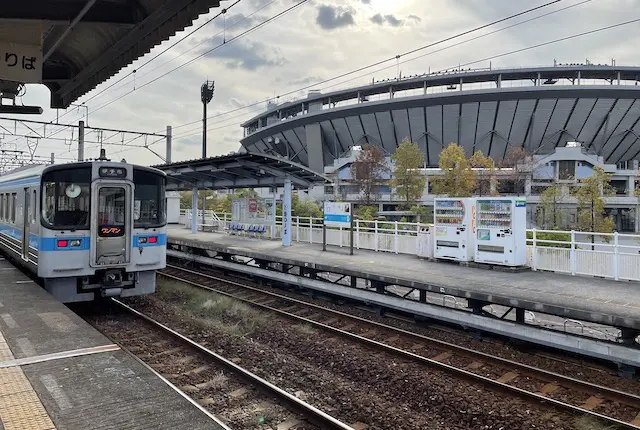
{"type": "Point", "coordinates": [490, 110]}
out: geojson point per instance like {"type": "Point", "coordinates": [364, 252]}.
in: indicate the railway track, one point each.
{"type": "Point", "coordinates": [241, 398]}
{"type": "Point", "coordinates": [610, 406]}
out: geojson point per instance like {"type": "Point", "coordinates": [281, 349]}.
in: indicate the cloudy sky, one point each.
{"type": "Point", "coordinates": [318, 40]}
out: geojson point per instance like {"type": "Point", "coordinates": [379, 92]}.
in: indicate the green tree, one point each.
{"type": "Point", "coordinates": [368, 171]}
{"type": "Point", "coordinates": [458, 179]}
{"type": "Point", "coordinates": [407, 180]}
{"type": "Point", "coordinates": [591, 204]}
{"type": "Point", "coordinates": [486, 182]}
{"type": "Point", "coordinates": [423, 213]}
{"type": "Point", "coordinates": [550, 216]}
{"type": "Point", "coordinates": [367, 213]}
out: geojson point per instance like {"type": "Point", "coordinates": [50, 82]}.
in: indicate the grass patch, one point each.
{"type": "Point", "coordinates": [305, 328]}
{"type": "Point", "coordinates": [226, 313]}
{"type": "Point", "coordinates": [588, 423]}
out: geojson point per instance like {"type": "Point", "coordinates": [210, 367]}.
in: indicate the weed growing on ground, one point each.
{"type": "Point", "coordinates": [305, 328]}
{"type": "Point", "coordinates": [588, 423]}
{"type": "Point", "coordinates": [226, 313]}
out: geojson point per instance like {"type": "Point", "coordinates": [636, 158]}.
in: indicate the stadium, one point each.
{"type": "Point", "coordinates": [536, 108]}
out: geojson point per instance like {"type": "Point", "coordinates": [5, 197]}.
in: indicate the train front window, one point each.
{"type": "Point", "coordinates": [66, 199]}
{"type": "Point", "coordinates": [149, 199]}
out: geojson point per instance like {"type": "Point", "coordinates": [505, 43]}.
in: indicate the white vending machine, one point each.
{"type": "Point", "coordinates": [454, 223]}
{"type": "Point", "coordinates": [501, 236]}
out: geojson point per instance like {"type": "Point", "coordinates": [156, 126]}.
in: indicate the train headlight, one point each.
{"type": "Point", "coordinates": [153, 239]}
{"type": "Point", "coordinates": [62, 243]}
{"type": "Point", "coordinates": [75, 242]}
{"type": "Point", "coordinates": [142, 240]}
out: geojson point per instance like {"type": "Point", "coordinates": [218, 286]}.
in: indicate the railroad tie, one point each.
{"type": "Point", "coordinates": [509, 376]}
{"type": "Point", "coordinates": [286, 425]}
{"type": "Point", "coordinates": [636, 421]}
{"type": "Point", "coordinates": [359, 426]}
{"type": "Point", "coordinates": [592, 402]}
{"type": "Point", "coordinates": [548, 389]}
{"type": "Point", "coordinates": [442, 356]}
{"type": "Point", "coordinates": [475, 365]}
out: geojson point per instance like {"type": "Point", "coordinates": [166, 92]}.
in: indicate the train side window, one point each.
{"type": "Point", "coordinates": [14, 200]}
{"type": "Point", "coordinates": [2, 207]}
{"type": "Point", "coordinates": [34, 206]}
{"type": "Point", "coordinates": [6, 208]}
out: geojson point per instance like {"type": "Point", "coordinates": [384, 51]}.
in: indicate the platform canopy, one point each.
{"type": "Point", "coordinates": [246, 170]}
{"type": "Point", "coordinates": [85, 42]}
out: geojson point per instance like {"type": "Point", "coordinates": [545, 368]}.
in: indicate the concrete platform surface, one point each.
{"type": "Point", "coordinates": [590, 299]}
{"type": "Point", "coordinates": [46, 384]}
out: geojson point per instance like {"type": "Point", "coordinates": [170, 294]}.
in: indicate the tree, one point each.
{"type": "Point", "coordinates": [486, 175]}
{"type": "Point", "coordinates": [550, 217]}
{"type": "Point", "coordinates": [517, 160]}
{"type": "Point", "coordinates": [367, 172]}
{"type": "Point", "coordinates": [591, 205]}
{"type": "Point", "coordinates": [407, 181]}
{"type": "Point", "coordinates": [458, 179]}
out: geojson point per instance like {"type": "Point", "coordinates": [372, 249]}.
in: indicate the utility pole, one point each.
{"type": "Point", "coordinates": [206, 94]}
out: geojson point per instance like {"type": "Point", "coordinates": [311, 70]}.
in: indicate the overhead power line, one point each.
{"type": "Point", "coordinates": [382, 61]}
{"type": "Point", "coordinates": [244, 33]}
{"type": "Point", "coordinates": [222, 12]}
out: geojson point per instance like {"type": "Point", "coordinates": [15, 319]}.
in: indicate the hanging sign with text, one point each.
{"type": "Point", "coordinates": [21, 62]}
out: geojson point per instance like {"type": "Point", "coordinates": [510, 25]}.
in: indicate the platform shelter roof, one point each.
{"type": "Point", "coordinates": [246, 170]}
{"type": "Point", "coordinates": [85, 42]}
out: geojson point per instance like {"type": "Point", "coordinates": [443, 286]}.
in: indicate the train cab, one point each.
{"type": "Point", "coordinates": [103, 229]}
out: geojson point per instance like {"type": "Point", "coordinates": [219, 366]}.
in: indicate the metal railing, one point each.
{"type": "Point", "coordinates": [607, 255]}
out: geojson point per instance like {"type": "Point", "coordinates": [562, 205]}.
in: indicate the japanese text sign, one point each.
{"type": "Point", "coordinates": [20, 62]}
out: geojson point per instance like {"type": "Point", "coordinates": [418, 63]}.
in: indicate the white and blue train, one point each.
{"type": "Point", "coordinates": [87, 230]}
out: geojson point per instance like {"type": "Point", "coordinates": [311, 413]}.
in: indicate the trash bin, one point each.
{"type": "Point", "coordinates": [424, 242]}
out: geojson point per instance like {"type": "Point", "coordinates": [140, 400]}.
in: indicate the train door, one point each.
{"type": "Point", "coordinates": [111, 223]}
{"type": "Point", "coordinates": [26, 223]}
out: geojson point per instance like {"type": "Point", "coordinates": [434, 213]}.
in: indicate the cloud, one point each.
{"type": "Point", "coordinates": [415, 18]}
{"type": "Point", "coordinates": [366, 1]}
{"type": "Point", "coordinates": [389, 19]}
{"type": "Point", "coordinates": [243, 53]}
{"type": "Point", "coordinates": [330, 17]}
{"type": "Point", "coordinates": [238, 21]}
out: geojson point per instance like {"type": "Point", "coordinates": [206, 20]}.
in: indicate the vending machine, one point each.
{"type": "Point", "coordinates": [501, 236]}
{"type": "Point", "coordinates": [454, 223]}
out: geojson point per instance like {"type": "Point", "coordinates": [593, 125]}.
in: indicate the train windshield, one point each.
{"type": "Point", "coordinates": [66, 198]}
{"type": "Point", "coordinates": [149, 199]}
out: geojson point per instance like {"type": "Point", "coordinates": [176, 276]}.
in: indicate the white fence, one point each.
{"type": "Point", "coordinates": [615, 256]}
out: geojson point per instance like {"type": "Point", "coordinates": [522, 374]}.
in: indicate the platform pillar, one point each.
{"type": "Point", "coordinates": [194, 211]}
{"type": "Point", "coordinates": [286, 213]}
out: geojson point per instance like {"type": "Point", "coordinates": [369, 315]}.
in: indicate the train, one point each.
{"type": "Point", "coordinates": [87, 230]}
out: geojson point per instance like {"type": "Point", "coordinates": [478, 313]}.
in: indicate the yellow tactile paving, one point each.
{"type": "Point", "coordinates": [20, 407]}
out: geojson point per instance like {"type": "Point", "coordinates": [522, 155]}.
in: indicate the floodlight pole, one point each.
{"type": "Point", "coordinates": [206, 94]}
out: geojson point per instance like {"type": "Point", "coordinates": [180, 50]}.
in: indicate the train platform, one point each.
{"type": "Point", "coordinates": [58, 372]}
{"type": "Point", "coordinates": [572, 298]}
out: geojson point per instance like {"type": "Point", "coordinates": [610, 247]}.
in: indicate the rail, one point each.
{"type": "Point", "coordinates": [284, 306]}
{"type": "Point", "coordinates": [607, 255]}
{"type": "Point", "coordinates": [314, 414]}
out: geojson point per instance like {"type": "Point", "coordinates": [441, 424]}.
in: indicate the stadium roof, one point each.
{"type": "Point", "coordinates": [542, 109]}
{"type": "Point", "coordinates": [85, 42]}
{"type": "Point", "coordinates": [246, 170]}
{"type": "Point", "coordinates": [450, 78]}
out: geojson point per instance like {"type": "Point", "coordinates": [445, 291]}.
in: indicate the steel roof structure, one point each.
{"type": "Point", "coordinates": [85, 42]}
{"type": "Point", "coordinates": [489, 110]}
{"type": "Point", "coordinates": [247, 170]}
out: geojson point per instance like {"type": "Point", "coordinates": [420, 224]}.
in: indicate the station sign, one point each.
{"type": "Point", "coordinates": [21, 62]}
{"type": "Point", "coordinates": [337, 214]}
